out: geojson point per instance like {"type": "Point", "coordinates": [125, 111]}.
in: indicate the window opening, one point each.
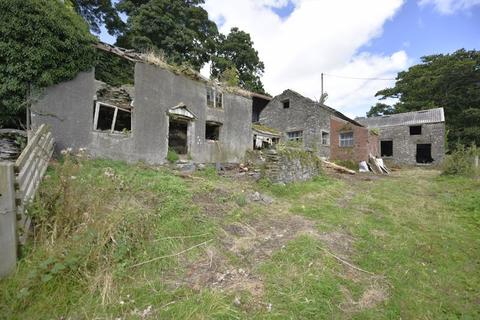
{"type": "Point", "coordinates": [295, 136]}
{"type": "Point", "coordinates": [286, 104]}
{"type": "Point", "coordinates": [112, 119]}
{"type": "Point", "coordinates": [210, 97]}
{"type": "Point", "coordinates": [218, 100]}
{"type": "Point", "coordinates": [214, 98]}
{"type": "Point", "coordinates": [212, 131]}
{"type": "Point", "coordinates": [386, 148]}
{"type": "Point", "coordinates": [325, 138]}
{"type": "Point", "coordinates": [346, 139]}
{"type": "Point", "coordinates": [415, 130]}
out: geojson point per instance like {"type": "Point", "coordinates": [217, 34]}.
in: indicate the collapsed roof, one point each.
{"type": "Point", "coordinates": [151, 58]}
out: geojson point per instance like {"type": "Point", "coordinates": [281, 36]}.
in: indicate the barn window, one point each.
{"type": "Point", "coordinates": [286, 104]}
{"type": "Point", "coordinates": [346, 139]}
{"type": "Point", "coordinates": [415, 130]}
{"type": "Point", "coordinates": [111, 119]}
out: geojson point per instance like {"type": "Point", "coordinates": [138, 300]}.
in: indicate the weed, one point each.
{"type": "Point", "coordinates": [172, 155]}
{"type": "Point", "coordinates": [461, 162]}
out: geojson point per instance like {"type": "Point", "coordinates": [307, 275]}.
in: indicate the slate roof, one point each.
{"type": "Point", "coordinates": [405, 119]}
{"type": "Point", "coordinates": [329, 109]}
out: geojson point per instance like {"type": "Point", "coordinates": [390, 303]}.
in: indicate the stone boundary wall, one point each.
{"type": "Point", "coordinates": [286, 165]}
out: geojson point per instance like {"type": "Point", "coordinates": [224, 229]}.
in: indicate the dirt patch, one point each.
{"type": "Point", "coordinates": [258, 240]}
{"type": "Point", "coordinates": [248, 245]}
{"type": "Point", "coordinates": [371, 297]}
{"type": "Point", "coordinates": [213, 203]}
{"type": "Point", "coordinates": [339, 243]}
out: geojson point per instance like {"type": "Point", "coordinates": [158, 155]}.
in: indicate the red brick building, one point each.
{"type": "Point", "coordinates": [350, 141]}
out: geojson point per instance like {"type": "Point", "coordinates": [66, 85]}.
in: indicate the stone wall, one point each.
{"type": "Point", "coordinates": [287, 165]}
{"type": "Point", "coordinates": [302, 115]}
{"type": "Point", "coordinates": [404, 144]}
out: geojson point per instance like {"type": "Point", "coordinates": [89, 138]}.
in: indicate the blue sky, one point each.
{"type": "Point", "coordinates": [300, 39]}
{"type": "Point", "coordinates": [421, 30]}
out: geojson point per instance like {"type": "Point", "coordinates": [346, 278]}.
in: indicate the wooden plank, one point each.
{"type": "Point", "coordinates": [31, 144]}
{"type": "Point", "coordinates": [114, 120]}
{"type": "Point", "coordinates": [37, 178]}
{"type": "Point", "coordinates": [39, 152]}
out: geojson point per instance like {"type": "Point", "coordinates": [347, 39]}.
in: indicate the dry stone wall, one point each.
{"type": "Point", "coordinates": [287, 165]}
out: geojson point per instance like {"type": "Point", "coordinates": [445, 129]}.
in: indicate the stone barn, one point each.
{"type": "Point", "coordinates": [410, 138]}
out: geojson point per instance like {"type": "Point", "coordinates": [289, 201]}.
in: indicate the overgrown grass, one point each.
{"type": "Point", "coordinates": [417, 231]}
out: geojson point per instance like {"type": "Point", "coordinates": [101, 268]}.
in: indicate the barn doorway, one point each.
{"type": "Point", "coordinates": [178, 136]}
{"type": "Point", "coordinates": [424, 153]}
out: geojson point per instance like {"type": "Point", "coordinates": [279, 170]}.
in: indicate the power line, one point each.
{"type": "Point", "coordinates": [357, 78]}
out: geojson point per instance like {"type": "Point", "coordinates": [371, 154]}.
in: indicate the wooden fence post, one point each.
{"type": "Point", "coordinates": [8, 219]}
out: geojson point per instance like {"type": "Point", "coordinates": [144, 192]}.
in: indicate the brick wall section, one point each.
{"type": "Point", "coordinates": [364, 141]}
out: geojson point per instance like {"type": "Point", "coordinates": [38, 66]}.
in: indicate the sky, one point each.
{"type": "Point", "coordinates": [368, 40]}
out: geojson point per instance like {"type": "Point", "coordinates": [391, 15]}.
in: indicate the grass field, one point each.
{"type": "Point", "coordinates": [115, 241]}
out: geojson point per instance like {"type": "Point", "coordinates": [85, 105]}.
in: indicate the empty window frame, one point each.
{"type": "Point", "coordinates": [346, 139]}
{"type": "Point", "coordinates": [212, 131]}
{"type": "Point", "coordinates": [295, 136]}
{"type": "Point", "coordinates": [325, 138]}
{"type": "Point", "coordinates": [210, 97]}
{"type": "Point", "coordinates": [111, 119]}
{"type": "Point", "coordinates": [286, 104]}
{"type": "Point", "coordinates": [214, 98]}
{"type": "Point", "coordinates": [386, 148]}
{"type": "Point", "coordinates": [415, 130]}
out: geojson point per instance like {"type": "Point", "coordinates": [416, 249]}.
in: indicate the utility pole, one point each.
{"type": "Point", "coordinates": [322, 85]}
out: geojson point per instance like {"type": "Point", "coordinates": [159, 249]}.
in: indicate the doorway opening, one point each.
{"type": "Point", "coordinates": [424, 153]}
{"type": "Point", "coordinates": [177, 136]}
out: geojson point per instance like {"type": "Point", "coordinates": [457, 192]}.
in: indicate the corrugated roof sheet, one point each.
{"type": "Point", "coordinates": [405, 119]}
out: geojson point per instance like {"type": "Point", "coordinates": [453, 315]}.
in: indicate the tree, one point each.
{"type": "Point", "coordinates": [97, 13]}
{"type": "Point", "coordinates": [236, 51]}
{"type": "Point", "coordinates": [380, 109]}
{"type": "Point", "coordinates": [43, 42]}
{"type": "Point", "coordinates": [451, 81]}
{"type": "Point", "coordinates": [179, 28]}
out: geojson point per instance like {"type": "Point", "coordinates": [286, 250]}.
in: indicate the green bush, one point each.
{"type": "Point", "coordinates": [461, 162]}
{"type": "Point", "coordinates": [172, 155]}
{"type": "Point", "coordinates": [43, 42]}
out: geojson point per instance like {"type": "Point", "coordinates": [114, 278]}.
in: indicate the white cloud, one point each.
{"type": "Point", "coordinates": [450, 6]}
{"type": "Point", "coordinates": [318, 36]}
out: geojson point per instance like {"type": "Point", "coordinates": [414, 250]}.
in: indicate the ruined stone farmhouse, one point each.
{"type": "Point", "coordinates": [205, 122]}
{"type": "Point", "coordinates": [318, 127]}
{"type": "Point", "coordinates": [411, 138]}
{"type": "Point", "coordinates": [200, 120]}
